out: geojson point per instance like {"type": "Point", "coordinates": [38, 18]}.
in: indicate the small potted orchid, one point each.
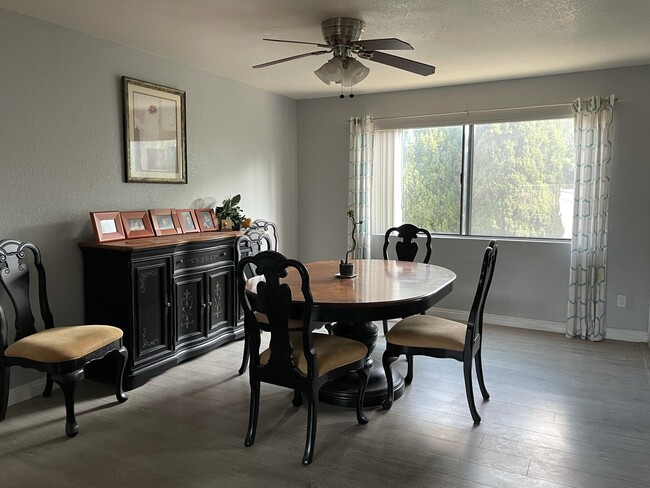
{"type": "Point", "coordinates": [346, 268]}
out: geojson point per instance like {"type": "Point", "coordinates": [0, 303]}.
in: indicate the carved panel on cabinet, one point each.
{"type": "Point", "coordinates": [221, 303]}
{"type": "Point", "coordinates": [152, 334]}
{"type": "Point", "coordinates": [190, 307]}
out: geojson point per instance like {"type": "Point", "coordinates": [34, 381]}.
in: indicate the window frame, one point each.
{"type": "Point", "coordinates": [553, 112]}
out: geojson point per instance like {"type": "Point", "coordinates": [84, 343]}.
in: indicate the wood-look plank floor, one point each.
{"type": "Point", "coordinates": [562, 413]}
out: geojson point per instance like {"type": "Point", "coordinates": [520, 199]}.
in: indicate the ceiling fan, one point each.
{"type": "Point", "coordinates": [342, 37]}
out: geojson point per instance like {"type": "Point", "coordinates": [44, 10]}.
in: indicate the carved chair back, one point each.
{"type": "Point", "coordinates": [270, 229]}
{"type": "Point", "coordinates": [406, 245]}
{"type": "Point", "coordinates": [17, 261]}
{"type": "Point", "coordinates": [475, 321]}
{"type": "Point", "coordinates": [274, 299]}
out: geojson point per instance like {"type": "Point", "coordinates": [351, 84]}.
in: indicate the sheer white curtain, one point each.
{"type": "Point", "coordinates": [362, 132]}
{"type": "Point", "coordinates": [386, 208]}
{"type": "Point", "coordinates": [588, 276]}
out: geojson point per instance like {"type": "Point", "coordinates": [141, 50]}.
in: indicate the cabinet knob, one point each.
{"type": "Point", "coordinates": [204, 305]}
{"type": "Point", "coordinates": [168, 304]}
{"type": "Point", "coordinates": [180, 261]}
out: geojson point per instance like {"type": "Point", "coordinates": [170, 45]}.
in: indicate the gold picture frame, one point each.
{"type": "Point", "coordinates": [154, 133]}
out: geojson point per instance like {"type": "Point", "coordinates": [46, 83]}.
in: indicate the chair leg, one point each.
{"type": "Point", "coordinates": [68, 383]}
{"type": "Point", "coordinates": [479, 375]}
{"type": "Point", "coordinates": [121, 356]}
{"type": "Point", "coordinates": [308, 456]}
{"type": "Point", "coordinates": [409, 370]}
{"type": "Point", "coordinates": [385, 324]}
{"type": "Point", "coordinates": [253, 413]}
{"type": "Point", "coordinates": [297, 397]}
{"type": "Point", "coordinates": [4, 389]}
{"type": "Point", "coordinates": [244, 362]}
{"type": "Point", "coordinates": [469, 389]}
{"type": "Point", "coordinates": [363, 382]}
{"type": "Point", "coordinates": [48, 385]}
{"type": "Point", "coordinates": [386, 361]}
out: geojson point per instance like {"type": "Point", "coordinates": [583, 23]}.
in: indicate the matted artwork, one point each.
{"type": "Point", "coordinates": [137, 224]}
{"type": "Point", "coordinates": [165, 221]}
{"type": "Point", "coordinates": [206, 219]}
{"type": "Point", "coordinates": [187, 220]}
{"type": "Point", "coordinates": [154, 132]}
{"type": "Point", "coordinates": [107, 226]}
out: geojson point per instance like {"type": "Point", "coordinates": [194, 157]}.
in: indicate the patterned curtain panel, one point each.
{"type": "Point", "coordinates": [588, 277]}
{"type": "Point", "coordinates": [362, 133]}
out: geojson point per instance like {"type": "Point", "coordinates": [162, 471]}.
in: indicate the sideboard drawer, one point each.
{"type": "Point", "coordinates": [199, 259]}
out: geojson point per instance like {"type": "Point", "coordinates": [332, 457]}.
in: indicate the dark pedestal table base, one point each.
{"type": "Point", "coordinates": [342, 392]}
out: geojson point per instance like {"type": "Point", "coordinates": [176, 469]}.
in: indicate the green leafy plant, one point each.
{"type": "Point", "coordinates": [230, 209]}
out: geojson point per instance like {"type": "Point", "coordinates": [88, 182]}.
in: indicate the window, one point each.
{"type": "Point", "coordinates": [506, 179]}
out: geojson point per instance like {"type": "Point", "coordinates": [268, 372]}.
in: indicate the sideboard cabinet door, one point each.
{"type": "Point", "coordinates": [221, 300]}
{"type": "Point", "coordinates": [152, 338]}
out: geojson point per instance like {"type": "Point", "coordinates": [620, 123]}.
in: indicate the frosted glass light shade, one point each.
{"type": "Point", "coordinates": [334, 72]}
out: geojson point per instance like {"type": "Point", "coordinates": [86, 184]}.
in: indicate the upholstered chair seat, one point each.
{"type": "Point", "coordinates": [62, 344]}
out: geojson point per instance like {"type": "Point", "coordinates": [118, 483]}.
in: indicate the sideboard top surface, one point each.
{"type": "Point", "coordinates": [144, 243]}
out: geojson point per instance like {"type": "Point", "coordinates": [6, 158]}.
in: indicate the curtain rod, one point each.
{"type": "Point", "coordinates": [487, 110]}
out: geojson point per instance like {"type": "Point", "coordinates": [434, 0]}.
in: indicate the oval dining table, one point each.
{"type": "Point", "coordinates": [379, 289]}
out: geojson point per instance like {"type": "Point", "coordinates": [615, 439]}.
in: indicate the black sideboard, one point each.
{"type": "Point", "coordinates": [173, 296]}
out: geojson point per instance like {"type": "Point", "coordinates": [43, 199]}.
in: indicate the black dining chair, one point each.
{"type": "Point", "coordinates": [60, 352]}
{"type": "Point", "coordinates": [252, 242]}
{"type": "Point", "coordinates": [270, 228]}
{"type": "Point", "coordinates": [404, 243]}
{"type": "Point", "coordinates": [425, 335]}
{"type": "Point", "coordinates": [296, 357]}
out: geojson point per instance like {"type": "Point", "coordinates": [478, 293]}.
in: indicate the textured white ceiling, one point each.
{"type": "Point", "coordinates": [467, 40]}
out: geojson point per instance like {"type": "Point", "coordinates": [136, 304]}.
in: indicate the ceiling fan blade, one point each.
{"type": "Point", "coordinates": [301, 42]}
{"type": "Point", "coordinates": [298, 56]}
{"type": "Point", "coordinates": [389, 44]}
{"type": "Point", "coordinates": [398, 62]}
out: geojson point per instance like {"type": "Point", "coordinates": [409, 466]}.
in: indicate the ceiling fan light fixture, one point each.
{"type": "Point", "coordinates": [354, 73]}
{"type": "Point", "coordinates": [347, 73]}
{"type": "Point", "coordinates": [330, 72]}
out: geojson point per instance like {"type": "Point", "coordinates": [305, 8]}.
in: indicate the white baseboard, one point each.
{"type": "Point", "coordinates": [533, 324]}
{"type": "Point", "coordinates": [25, 392]}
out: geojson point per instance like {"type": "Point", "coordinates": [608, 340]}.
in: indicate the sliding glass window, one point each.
{"type": "Point", "coordinates": [506, 179]}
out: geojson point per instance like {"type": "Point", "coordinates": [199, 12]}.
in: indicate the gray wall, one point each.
{"type": "Point", "coordinates": [61, 148]}
{"type": "Point", "coordinates": [531, 279]}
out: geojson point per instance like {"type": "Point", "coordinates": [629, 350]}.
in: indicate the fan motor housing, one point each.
{"type": "Point", "coordinates": [342, 30]}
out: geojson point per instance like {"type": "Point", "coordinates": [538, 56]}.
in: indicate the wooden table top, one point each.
{"type": "Point", "coordinates": [380, 290]}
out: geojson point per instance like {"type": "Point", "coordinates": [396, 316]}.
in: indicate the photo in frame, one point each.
{"type": "Point", "coordinates": [154, 132]}
{"type": "Point", "coordinates": [165, 221]}
{"type": "Point", "coordinates": [187, 220]}
{"type": "Point", "coordinates": [107, 226]}
{"type": "Point", "coordinates": [206, 219]}
{"type": "Point", "coordinates": [137, 224]}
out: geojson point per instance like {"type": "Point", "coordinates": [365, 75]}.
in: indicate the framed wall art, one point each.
{"type": "Point", "coordinates": [206, 219]}
{"type": "Point", "coordinates": [165, 221]}
{"type": "Point", "coordinates": [107, 226]}
{"type": "Point", "coordinates": [154, 132]}
{"type": "Point", "coordinates": [137, 224]}
{"type": "Point", "coordinates": [187, 220]}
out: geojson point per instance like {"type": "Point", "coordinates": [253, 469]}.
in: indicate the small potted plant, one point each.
{"type": "Point", "coordinates": [230, 214]}
{"type": "Point", "coordinates": [346, 268]}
